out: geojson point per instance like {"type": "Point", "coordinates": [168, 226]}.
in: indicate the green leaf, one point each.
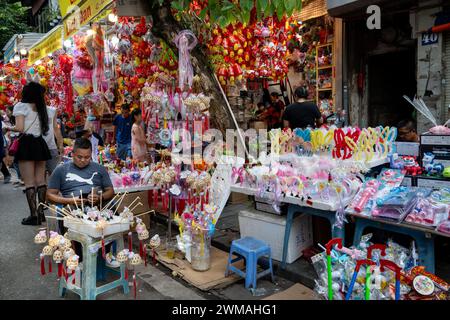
{"type": "Point", "coordinates": [280, 11]}
{"type": "Point", "coordinates": [289, 5]}
{"type": "Point", "coordinates": [227, 6]}
{"type": "Point", "coordinates": [299, 5]}
{"type": "Point", "coordinates": [246, 5]}
{"type": "Point", "coordinates": [177, 5]}
{"type": "Point", "coordinates": [222, 21]}
{"type": "Point", "coordinates": [246, 17]}
{"type": "Point", "coordinates": [202, 14]}
{"type": "Point", "coordinates": [263, 4]}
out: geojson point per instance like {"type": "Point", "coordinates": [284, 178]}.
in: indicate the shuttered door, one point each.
{"type": "Point", "coordinates": [446, 62]}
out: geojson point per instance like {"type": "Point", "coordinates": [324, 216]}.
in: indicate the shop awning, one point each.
{"type": "Point", "coordinates": [67, 6]}
{"type": "Point", "coordinates": [49, 44]}
{"type": "Point", "coordinates": [83, 15]}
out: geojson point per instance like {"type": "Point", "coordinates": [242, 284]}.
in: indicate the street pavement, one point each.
{"type": "Point", "coordinates": [20, 276]}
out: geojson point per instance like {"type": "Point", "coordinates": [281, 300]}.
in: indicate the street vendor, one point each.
{"type": "Point", "coordinates": [80, 175]}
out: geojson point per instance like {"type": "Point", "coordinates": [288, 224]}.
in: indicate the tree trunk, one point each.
{"type": "Point", "coordinates": [166, 28]}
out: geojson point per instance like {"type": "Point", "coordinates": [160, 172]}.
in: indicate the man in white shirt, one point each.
{"type": "Point", "coordinates": [49, 138]}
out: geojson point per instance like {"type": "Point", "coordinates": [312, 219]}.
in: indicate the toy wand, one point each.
{"type": "Point", "coordinates": [328, 247]}
{"type": "Point", "coordinates": [370, 249]}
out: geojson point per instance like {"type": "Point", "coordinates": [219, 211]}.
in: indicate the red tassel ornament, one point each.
{"type": "Point", "coordinates": [42, 264]}
{"type": "Point", "coordinates": [60, 270]}
{"type": "Point", "coordinates": [130, 241]}
{"type": "Point", "coordinates": [126, 273]}
{"type": "Point", "coordinates": [73, 276]}
{"type": "Point", "coordinates": [50, 266]}
{"type": "Point", "coordinates": [134, 285]}
{"type": "Point", "coordinates": [103, 248]}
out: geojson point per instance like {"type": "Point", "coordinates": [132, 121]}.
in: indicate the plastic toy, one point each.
{"type": "Point", "coordinates": [430, 167]}
{"type": "Point", "coordinates": [446, 172]}
{"type": "Point", "coordinates": [329, 246]}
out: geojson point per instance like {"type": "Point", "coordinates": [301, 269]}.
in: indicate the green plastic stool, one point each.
{"type": "Point", "coordinates": [91, 246]}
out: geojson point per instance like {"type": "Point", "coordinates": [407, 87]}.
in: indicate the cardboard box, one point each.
{"type": "Point", "coordinates": [435, 183]}
{"type": "Point", "coordinates": [129, 198]}
{"type": "Point", "coordinates": [407, 148]}
{"type": "Point", "coordinates": [434, 139]}
{"type": "Point", "coordinates": [236, 198]}
{"type": "Point", "coordinates": [270, 229]}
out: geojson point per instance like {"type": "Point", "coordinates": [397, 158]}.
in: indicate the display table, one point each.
{"type": "Point", "coordinates": [91, 246]}
{"type": "Point", "coordinates": [134, 189]}
{"type": "Point", "coordinates": [297, 206]}
{"type": "Point", "coordinates": [423, 236]}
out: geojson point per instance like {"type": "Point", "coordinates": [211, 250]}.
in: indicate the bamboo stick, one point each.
{"type": "Point", "coordinates": [134, 207]}
{"type": "Point", "coordinates": [82, 204]}
{"type": "Point", "coordinates": [112, 200]}
{"type": "Point", "coordinates": [75, 201]}
{"type": "Point", "coordinates": [120, 202]}
{"type": "Point", "coordinates": [137, 198]}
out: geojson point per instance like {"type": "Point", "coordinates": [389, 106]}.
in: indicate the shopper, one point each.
{"type": "Point", "coordinates": [33, 122]}
{"type": "Point", "coordinates": [54, 141]}
{"type": "Point", "coordinates": [302, 113]}
{"type": "Point", "coordinates": [122, 132]}
{"type": "Point", "coordinates": [272, 113]}
{"type": "Point", "coordinates": [138, 140]}
{"type": "Point", "coordinates": [407, 131]}
{"type": "Point", "coordinates": [3, 167]}
{"type": "Point", "coordinates": [13, 136]}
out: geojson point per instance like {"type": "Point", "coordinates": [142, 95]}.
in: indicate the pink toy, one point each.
{"type": "Point", "coordinates": [365, 195]}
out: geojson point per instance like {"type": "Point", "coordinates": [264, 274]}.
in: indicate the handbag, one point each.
{"type": "Point", "coordinates": [14, 147]}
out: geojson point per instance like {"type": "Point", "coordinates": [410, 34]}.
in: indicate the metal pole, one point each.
{"type": "Point", "coordinates": [169, 233]}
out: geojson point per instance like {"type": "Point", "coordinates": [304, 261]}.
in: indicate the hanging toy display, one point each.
{"type": "Point", "coordinates": [185, 42]}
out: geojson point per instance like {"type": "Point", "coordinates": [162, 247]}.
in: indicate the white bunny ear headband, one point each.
{"type": "Point", "coordinates": [32, 77]}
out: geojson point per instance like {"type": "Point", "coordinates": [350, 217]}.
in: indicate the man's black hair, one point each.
{"type": "Point", "coordinates": [125, 106]}
{"type": "Point", "coordinates": [301, 92]}
{"type": "Point", "coordinates": [82, 143]}
{"type": "Point", "coordinates": [407, 123]}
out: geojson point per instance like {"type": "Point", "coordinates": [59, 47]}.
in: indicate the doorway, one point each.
{"type": "Point", "coordinates": [391, 75]}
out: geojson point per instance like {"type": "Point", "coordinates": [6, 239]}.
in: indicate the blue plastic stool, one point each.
{"type": "Point", "coordinates": [251, 249]}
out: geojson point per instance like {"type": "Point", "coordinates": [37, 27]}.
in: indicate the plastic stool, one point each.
{"type": "Point", "coordinates": [251, 249]}
{"type": "Point", "coordinates": [88, 289]}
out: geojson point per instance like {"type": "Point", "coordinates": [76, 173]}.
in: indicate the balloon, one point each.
{"type": "Point", "coordinates": [31, 71]}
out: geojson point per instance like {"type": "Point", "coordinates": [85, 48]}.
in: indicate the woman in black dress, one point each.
{"type": "Point", "coordinates": [32, 122]}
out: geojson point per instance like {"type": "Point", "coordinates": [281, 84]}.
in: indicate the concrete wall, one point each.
{"type": "Point", "coordinates": [429, 63]}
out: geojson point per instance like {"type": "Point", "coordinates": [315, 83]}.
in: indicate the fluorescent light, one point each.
{"type": "Point", "coordinates": [67, 43]}
{"type": "Point", "coordinates": [23, 52]}
{"type": "Point", "coordinates": [115, 41]}
{"type": "Point", "coordinates": [112, 18]}
{"type": "Point", "coordinates": [17, 58]}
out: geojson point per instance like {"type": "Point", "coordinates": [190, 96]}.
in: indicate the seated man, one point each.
{"type": "Point", "coordinates": [80, 175]}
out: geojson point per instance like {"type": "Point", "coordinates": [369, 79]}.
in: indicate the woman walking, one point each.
{"type": "Point", "coordinates": [32, 122]}
{"type": "Point", "coordinates": [138, 140]}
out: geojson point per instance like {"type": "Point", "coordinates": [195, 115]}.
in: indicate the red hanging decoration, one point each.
{"type": "Point", "coordinates": [67, 275]}
{"type": "Point", "coordinates": [42, 264]}
{"type": "Point", "coordinates": [134, 285]}
{"type": "Point", "coordinates": [73, 276]}
{"type": "Point", "coordinates": [154, 257]}
{"type": "Point", "coordinates": [126, 272]}
{"type": "Point", "coordinates": [60, 268]}
{"type": "Point", "coordinates": [50, 265]}
{"type": "Point", "coordinates": [103, 247]}
{"type": "Point", "coordinates": [157, 121]}
{"type": "Point", "coordinates": [130, 240]}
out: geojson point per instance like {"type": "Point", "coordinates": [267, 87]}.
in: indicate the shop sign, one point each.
{"type": "Point", "coordinates": [429, 38]}
{"type": "Point", "coordinates": [66, 6]}
{"type": "Point", "coordinates": [83, 15]}
{"type": "Point", "coordinates": [51, 43]}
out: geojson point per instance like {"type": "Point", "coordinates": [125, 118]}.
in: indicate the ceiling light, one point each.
{"type": "Point", "coordinates": [112, 18]}
{"type": "Point", "coordinates": [17, 58]}
{"type": "Point", "coordinates": [23, 52]}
